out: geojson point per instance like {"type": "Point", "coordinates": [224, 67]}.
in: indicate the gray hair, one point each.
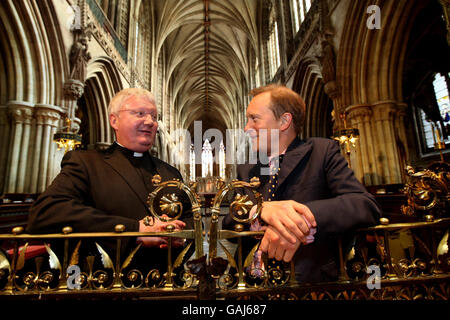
{"type": "Point", "coordinates": [122, 96]}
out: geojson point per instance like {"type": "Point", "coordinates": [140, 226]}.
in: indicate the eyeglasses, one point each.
{"type": "Point", "coordinates": [140, 114]}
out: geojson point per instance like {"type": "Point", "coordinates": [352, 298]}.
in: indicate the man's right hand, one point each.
{"type": "Point", "coordinates": [160, 226]}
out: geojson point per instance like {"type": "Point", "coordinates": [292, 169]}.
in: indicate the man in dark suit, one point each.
{"type": "Point", "coordinates": [315, 196]}
{"type": "Point", "coordinates": [95, 191]}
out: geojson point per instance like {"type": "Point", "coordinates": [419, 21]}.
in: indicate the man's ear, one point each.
{"type": "Point", "coordinates": [286, 121]}
{"type": "Point", "coordinates": [113, 120]}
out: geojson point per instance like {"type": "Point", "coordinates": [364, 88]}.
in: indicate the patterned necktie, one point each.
{"type": "Point", "coordinates": [273, 179]}
{"type": "Point", "coordinates": [257, 268]}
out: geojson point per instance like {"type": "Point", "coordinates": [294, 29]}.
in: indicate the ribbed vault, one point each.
{"type": "Point", "coordinates": [208, 47]}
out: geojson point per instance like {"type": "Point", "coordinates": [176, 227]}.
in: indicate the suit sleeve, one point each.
{"type": "Point", "coordinates": [68, 202]}
{"type": "Point", "coordinates": [350, 206]}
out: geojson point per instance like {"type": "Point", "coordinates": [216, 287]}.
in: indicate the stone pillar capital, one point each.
{"type": "Point", "coordinates": [387, 109]}
{"type": "Point", "coordinates": [358, 111]}
{"type": "Point", "coordinates": [20, 111]}
{"type": "Point", "coordinates": [48, 114]}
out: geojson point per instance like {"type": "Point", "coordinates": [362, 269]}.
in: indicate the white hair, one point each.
{"type": "Point", "coordinates": [122, 96]}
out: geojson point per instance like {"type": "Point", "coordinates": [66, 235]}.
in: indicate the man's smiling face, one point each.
{"type": "Point", "coordinates": [136, 123]}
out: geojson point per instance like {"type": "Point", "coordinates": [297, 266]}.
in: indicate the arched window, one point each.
{"type": "Point", "coordinates": [430, 129]}
{"type": "Point", "coordinates": [273, 45]}
{"type": "Point", "coordinates": [299, 8]}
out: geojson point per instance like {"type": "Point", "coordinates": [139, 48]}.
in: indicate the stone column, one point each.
{"type": "Point", "coordinates": [364, 164]}
{"type": "Point", "coordinates": [401, 138]}
{"type": "Point", "coordinates": [4, 144]}
{"type": "Point", "coordinates": [20, 113]}
{"type": "Point", "coordinates": [45, 115]}
{"type": "Point", "coordinates": [379, 157]}
{"type": "Point", "coordinates": [27, 114]}
{"type": "Point", "coordinates": [50, 119]}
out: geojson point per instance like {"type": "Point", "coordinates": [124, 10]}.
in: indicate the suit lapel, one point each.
{"type": "Point", "coordinates": [161, 170]}
{"type": "Point", "coordinates": [129, 174]}
{"type": "Point", "coordinates": [248, 171]}
{"type": "Point", "coordinates": [294, 154]}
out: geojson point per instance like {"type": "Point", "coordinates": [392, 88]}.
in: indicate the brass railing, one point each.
{"type": "Point", "coordinates": [389, 261]}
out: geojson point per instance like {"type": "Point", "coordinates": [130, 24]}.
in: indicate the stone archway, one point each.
{"type": "Point", "coordinates": [369, 71]}
{"type": "Point", "coordinates": [32, 97]}
{"type": "Point", "coordinates": [102, 83]}
{"type": "Point", "coordinates": [308, 82]}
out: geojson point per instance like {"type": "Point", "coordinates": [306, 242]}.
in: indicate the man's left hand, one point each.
{"type": "Point", "coordinates": [277, 246]}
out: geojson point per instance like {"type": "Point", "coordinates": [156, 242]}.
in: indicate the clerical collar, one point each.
{"type": "Point", "coordinates": [131, 152]}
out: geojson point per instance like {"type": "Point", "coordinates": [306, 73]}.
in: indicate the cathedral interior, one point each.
{"type": "Point", "coordinates": [379, 69]}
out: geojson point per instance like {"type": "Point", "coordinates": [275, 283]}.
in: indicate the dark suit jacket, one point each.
{"type": "Point", "coordinates": [97, 190]}
{"type": "Point", "coordinates": [314, 172]}
{"type": "Point", "coordinates": [94, 192]}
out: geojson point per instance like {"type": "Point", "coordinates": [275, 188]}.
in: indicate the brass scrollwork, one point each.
{"type": "Point", "coordinates": [428, 191]}
{"type": "Point", "coordinates": [420, 271]}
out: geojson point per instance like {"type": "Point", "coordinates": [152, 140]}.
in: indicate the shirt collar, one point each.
{"type": "Point", "coordinates": [135, 154]}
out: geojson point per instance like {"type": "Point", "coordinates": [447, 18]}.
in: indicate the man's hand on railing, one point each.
{"type": "Point", "coordinates": [279, 247]}
{"type": "Point", "coordinates": [160, 226]}
{"type": "Point", "coordinates": [293, 221]}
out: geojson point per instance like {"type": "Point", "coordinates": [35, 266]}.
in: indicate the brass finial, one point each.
{"type": "Point", "coordinates": [384, 221]}
{"type": "Point", "coordinates": [17, 230]}
{"type": "Point", "coordinates": [429, 218]}
{"type": "Point", "coordinates": [119, 228]}
{"type": "Point", "coordinates": [156, 180]}
{"type": "Point", "coordinates": [67, 230]}
{"type": "Point", "coordinates": [170, 228]}
{"type": "Point", "coordinates": [238, 227]}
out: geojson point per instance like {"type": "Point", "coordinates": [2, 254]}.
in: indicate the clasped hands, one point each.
{"type": "Point", "coordinates": [289, 224]}
{"type": "Point", "coordinates": [160, 226]}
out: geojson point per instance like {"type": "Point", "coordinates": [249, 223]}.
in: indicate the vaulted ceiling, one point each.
{"type": "Point", "coordinates": [210, 48]}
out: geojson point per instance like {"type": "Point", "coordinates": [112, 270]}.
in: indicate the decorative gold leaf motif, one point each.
{"type": "Point", "coordinates": [52, 259]}
{"type": "Point", "coordinates": [443, 245]}
{"type": "Point", "coordinates": [230, 258]}
{"type": "Point", "coordinates": [21, 258]}
{"type": "Point", "coordinates": [4, 263]}
{"type": "Point", "coordinates": [170, 205]}
{"type": "Point", "coordinates": [249, 259]}
{"type": "Point", "coordinates": [106, 260]}
{"type": "Point", "coordinates": [131, 256]}
{"type": "Point", "coordinates": [241, 205]}
{"type": "Point", "coordinates": [180, 257]}
{"type": "Point", "coordinates": [74, 259]}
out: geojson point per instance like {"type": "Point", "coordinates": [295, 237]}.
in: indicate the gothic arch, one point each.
{"type": "Point", "coordinates": [369, 61]}
{"type": "Point", "coordinates": [102, 83]}
{"type": "Point", "coordinates": [32, 47]}
{"type": "Point", "coordinates": [370, 70]}
{"type": "Point", "coordinates": [309, 84]}
{"type": "Point", "coordinates": [33, 66]}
